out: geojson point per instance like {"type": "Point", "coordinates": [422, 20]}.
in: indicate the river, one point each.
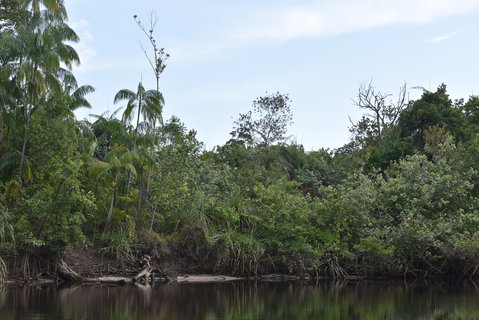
{"type": "Point", "coordinates": [246, 300]}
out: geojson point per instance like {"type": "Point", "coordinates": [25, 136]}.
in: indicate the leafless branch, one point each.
{"type": "Point", "coordinates": [382, 112]}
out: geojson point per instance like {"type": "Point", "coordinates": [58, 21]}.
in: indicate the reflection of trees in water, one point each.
{"type": "Point", "coordinates": [246, 300]}
{"type": "Point", "coordinates": [3, 297]}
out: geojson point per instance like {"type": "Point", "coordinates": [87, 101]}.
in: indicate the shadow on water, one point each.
{"type": "Point", "coordinates": [246, 300]}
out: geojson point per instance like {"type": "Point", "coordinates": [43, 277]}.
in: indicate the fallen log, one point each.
{"type": "Point", "coordinates": [66, 273]}
{"type": "Point", "coordinates": [279, 277]}
{"type": "Point", "coordinates": [107, 279]}
{"type": "Point", "coordinates": [206, 278]}
{"type": "Point", "coordinates": [45, 282]}
{"type": "Point", "coordinates": [144, 275]}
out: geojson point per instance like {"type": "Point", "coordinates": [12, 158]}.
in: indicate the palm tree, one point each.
{"type": "Point", "coordinates": [7, 101]}
{"type": "Point", "coordinates": [109, 131]}
{"type": "Point", "coordinates": [56, 7]}
{"type": "Point", "coordinates": [71, 97]}
{"type": "Point", "coordinates": [147, 104]}
{"type": "Point", "coordinates": [117, 160]}
{"type": "Point", "coordinates": [43, 47]}
{"type": "Point", "coordinates": [159, 57]}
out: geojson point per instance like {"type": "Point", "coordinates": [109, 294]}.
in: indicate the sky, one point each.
{"type": "Point", "coordinates": [224, 54]}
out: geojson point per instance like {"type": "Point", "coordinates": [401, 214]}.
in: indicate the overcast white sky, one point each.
{"type": "Point", "coordinates": [224, 54]}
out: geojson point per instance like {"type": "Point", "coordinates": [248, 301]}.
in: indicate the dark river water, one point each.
{"type": "Point", "coordinates": [246, 300]}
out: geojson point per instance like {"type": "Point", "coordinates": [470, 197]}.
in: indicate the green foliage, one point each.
{"type": "Point", "coordinates": [283, 218]}
{"type": "Point", "coordinates": [267, 123]}
{"type": "Point", "coordinates": [53, 216]}
{"type": "Point", "coordinates": [239, 253]}
{"type": "Point", "coordinates": [401, 197]}
{"type": "Point", "coordinates": [433, 109]}
{"type": "Point", "coordinates": [373, 245]}
{"type": "Point", "coordinates": [6, 233]}
{"type": "Point", "coordinates": [117, 244]}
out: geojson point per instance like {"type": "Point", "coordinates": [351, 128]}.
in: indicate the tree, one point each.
{"type": "Point", "coordinates": [146, 103]}
{"type": "Point", "coordinates": [174, 182]}
{"type": "Point", "coordinates": [471, 111]}
{"type": "Point", "coordinates": [117, 160]}
{"type": "Point", "coordinates": [55, 205]}
{"type": "Point", "coordinates": [157, 61]}
{"type": "Point", "coordinates": [11, 14]}
{"type": "Point", "coordinates": [56, 7]}
{"type": "Point", "coordinates": [108, 132]}
{"type": "Point", "coordinates": [382, 115]}
{"type": "Point", "coordinates": [267, 122]}
{"type": "Point", "coordinates": [43, 49]}
{"type": "Point", "coordinates": [72, 96]}
{"type": "Point", "coordinates": [149, 105]}
{"type": "Point", "coordinates": [433, 109]}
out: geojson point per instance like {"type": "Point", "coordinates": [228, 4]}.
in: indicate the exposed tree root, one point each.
{"type": "Point", "coordinates": [67, 274]}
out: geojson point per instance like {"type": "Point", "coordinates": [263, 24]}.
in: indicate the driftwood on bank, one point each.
{"type": "Point", "coordinates": [108, 279]}
{"type": "Point", "coordinates": [205, 278]}
{"type": "Point", "coordinates": [146, 276]}
{"type": "Point", "coordinates": [66, 273]}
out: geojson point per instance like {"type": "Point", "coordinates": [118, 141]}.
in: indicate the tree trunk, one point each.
{"type": "Point", "coordinates": [27, 119]}
{"type": "Point", "coordinates": [67, 273]}
{"type": "Point", "coordinates": [24, 147]}
{"type": "Point", "coordinates": [128, 182]}
{"type": "Point", "coordinates": [112, 204]}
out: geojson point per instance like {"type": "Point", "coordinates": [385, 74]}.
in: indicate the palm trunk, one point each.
{"type": "Point", "coordinates": [141, 190]}
{"type": "Point", "coordinates": [112, 204]}
{"type": "Point", "coordinates": [24, 146]}
{"type": "Point", "coordinates": [128, 182]}
{"type": "Point", "coordinates": [148, 175]}
{"type": "Point", "coordinates": [27, 120]}
{"type": "Point", "coordinates": [152, 219]}
{"type": "Point", "coordinates": [148, 184]}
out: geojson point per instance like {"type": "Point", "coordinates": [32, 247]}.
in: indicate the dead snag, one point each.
{"type": "Point", "coordinates": [144, 275]}
{"type": "Point", "coordinates": [66, 273]}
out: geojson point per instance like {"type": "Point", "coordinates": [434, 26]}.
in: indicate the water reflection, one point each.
{"type": "Point", "coordinates": [246, 300]}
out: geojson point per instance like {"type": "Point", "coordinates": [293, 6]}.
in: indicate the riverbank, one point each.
{"type": "Point", "coordinates": [88, 264]}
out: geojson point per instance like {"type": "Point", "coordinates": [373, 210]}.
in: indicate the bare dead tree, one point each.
{"type": "Point", "coordinates": [158, 58]}
{"type": "Point", "coordinates": [382, 112]}
{"type": "Point", "coordinates": [157, 63]}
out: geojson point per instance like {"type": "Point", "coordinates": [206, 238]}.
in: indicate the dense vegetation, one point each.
{"type": "Point", "coordinates": [400, 199]}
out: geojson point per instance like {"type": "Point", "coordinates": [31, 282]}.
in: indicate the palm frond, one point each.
{"type": "Point", "coordinates": [124, 94]}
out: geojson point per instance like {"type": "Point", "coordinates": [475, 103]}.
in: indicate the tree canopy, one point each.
{"type": "Point", "coordinates": [400, 199]}
{"type": "Point", "coordinates": [267, 123]}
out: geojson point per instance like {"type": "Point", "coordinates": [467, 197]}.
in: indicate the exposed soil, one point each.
{"type": "Point", "coordinates": [161, 262]}
{"type": "Point", "coordinates": [86, 264]}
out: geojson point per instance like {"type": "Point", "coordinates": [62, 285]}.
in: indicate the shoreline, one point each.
{"type": "Point", "coordinates": [87, 265]}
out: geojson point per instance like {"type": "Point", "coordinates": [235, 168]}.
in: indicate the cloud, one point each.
{"type": "Point", "coordinates": [89, 60]}
{"type": "Point", "coordinates": [328, 18]}
{"type": "Point", "coordinates": [441, 38]}
{"type": "Point", "coordinates": [84, 48]}
{"type": "Point", "coordinates": [259, 22]}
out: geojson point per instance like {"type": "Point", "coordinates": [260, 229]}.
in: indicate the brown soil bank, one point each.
{"type": "Point", "coordinates": [164, 261]}
{"type": "Point", "coordinates": [89, 265]}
